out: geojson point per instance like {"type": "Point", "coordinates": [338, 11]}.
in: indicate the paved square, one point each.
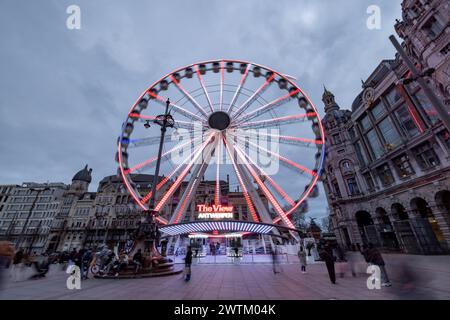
{"type": "Point", "coordinates": [430, 276]}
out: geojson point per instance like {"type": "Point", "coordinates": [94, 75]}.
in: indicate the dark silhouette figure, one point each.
{"type": "Point", "coordinates": [187, 264]}
{"type": "Point", "coordinates": [327, 256]}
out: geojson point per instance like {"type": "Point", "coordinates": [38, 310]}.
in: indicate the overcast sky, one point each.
{"type": "Point", "coordinates": [64, 93]}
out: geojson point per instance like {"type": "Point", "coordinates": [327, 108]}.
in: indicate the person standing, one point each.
{"type": "Point", "coordinates": [302, 258]}
{"type": "Point", "coordinates": [375, 258]}
{"type": "Point", "coordinates": [187, 264]}
{"type": "Point", "coordinates": [327, 256]}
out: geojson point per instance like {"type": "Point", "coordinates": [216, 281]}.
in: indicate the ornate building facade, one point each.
{"type": "Point", "coordinates": [387, 173]}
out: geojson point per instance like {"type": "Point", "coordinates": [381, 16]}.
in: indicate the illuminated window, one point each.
{"type": "Point", "coordinates": [403, 166]}
{"type": "Point", "coordinates": [385, 175]}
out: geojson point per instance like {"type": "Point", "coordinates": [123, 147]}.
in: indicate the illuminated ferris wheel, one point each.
{"type": "Point", "coordinates": [232, 118]}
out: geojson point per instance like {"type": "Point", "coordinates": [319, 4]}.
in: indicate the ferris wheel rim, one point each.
{"type": "Point", "coordinates": [222, 62]}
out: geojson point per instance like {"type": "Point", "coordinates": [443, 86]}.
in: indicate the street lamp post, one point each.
{"type": "Point", "coordinates": [437, 103]}
{"type": "Point", "coordinates": [164, 121]}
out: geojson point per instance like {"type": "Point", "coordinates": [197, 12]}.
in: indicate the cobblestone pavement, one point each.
{"type": "Point", "coordinates": [413, 277]}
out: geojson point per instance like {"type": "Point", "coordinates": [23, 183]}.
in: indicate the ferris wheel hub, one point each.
{"type": "Point", "coordinates": [219, 120]}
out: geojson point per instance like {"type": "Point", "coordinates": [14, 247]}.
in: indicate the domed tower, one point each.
{"type": "Point", "coordinates": [81, 180]}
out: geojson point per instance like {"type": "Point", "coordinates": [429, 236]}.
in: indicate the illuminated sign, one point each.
{"type": "Point", "coordinates": [214, 211]}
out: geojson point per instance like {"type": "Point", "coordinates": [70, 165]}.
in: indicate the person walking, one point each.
{"type": "Point", "coordinates": [327, 256]}
{"type": "Point", "coordinates": [302, 258]}
{"type": "Point", "coordinates": [275, 260]}
{"type": "Point", "coordinates": [187, 264]}
{"type": "Point", "coordinates": [85, 263]}
{"type": "Point", "coordinates": [137, 260]}
{"type": "Point", "coordinates": [376, 258]}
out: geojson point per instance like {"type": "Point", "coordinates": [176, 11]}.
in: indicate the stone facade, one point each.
{"type": "Point", "coordinates": [387, 173]}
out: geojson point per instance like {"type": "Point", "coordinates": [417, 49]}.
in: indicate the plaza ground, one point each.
{"type": "Point", "coordinates": [413, 277]}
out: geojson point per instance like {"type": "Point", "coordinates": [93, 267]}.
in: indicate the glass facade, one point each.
{"type": "Point", "coordinates": [393, 96]}
{"type": "Point", "coordinates": [360, 154]}
{"type": "Point", "coordinates": [389, 132]}
{"type": "Point", "coordinates": [374, 144]}
{"type": "Point", "coordinates": [406, 122]}
{"type": "Point", "coordinates": [378, 111]}
{"type": "Point", "coordinates": [422, 101]}
{"type": "Point", "coordinates": [365, 123]}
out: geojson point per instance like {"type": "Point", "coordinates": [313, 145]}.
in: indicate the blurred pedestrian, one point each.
{"type": "Point", "coordinates": [187, 264]}
{"type": "Point", "coordinates": [85, 263]}
{"type": "Point", "coordinates": [302, 258]}
{"type": "Point", "coordinates": [275, 260]}
{"type": "Point", "coordinates": [327, 256]}
{"type": "Point", "coordinates": [375, 258]}
{"type": "Point", "coordinates": [137, 260]}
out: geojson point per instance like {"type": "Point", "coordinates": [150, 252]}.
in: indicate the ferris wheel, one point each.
{"type": "Point", "coordinates": [231, 118]}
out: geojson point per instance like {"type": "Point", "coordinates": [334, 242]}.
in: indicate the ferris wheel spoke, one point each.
{"type": "Point", "coordinates": [192, 187]}
{"type": "Point", "coordinates": [218, 160]}
{"type": "Point", "coordinates": [242, 184]}
{"type": "Point", "coordinates": [222, 76]}
{"type": "Point", "coordinates": [279, 211]}
{"type": "Point", "coordinates": [169, 176]}
{"type": "Point", "coordinates": [153, 159]}
{"type": "Point", "coordinates": [200, 79]}
{"type": "Point", "coordinates": [297, 141]}
{"type": "Point", "coordinates": [278, 156]}
{"type": "Point", "coordinates": [184, 173]}
{"type": "Point", "coordinates": [268, 178]}
{"type": "Point", "coordinates": [189, 97]}
{"type": "Point", "coordinates": [239, 88]}
{"type": "Point", "coordinates": [253, 97]}
{"type": "Point", "coordinates": [276, 121]}
{"type": "Point", "coordinates": [267, 107]}
{"type": "Point", "coordinates": [177, 108]}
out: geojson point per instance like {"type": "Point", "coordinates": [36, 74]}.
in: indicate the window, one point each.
{"type": "Point", "coordinates": [352, 133]}
{"type": "Point", "coordinates": [422, 101]}
{"type": "Point", "coordinates": [352, 187]}
{"type": "Point", "coordinates": [433, 27]}
{"type": "Point", "coordinates": [385, 175]}
{"type": "Point", "coordinates": [337, 191]}
{"type": "Point", "coordinates": [337, 138]}
{"type": "Point", "coordinates": [425, 156]}
{"type": "Point", "coordinates": [378, 111]}
{"type": "Point", "coordinates": [389, 133]}
{"type": "Point", "coordinates": [393, 96]}
{"type": "Point", "coordinates": [374, 144]}
{"type": "Point", "coordinates": [365, 123]}
{"type": "Point", "coordinates": [406, 122]}
{"type": "Point", "coordinates": [369, 181]}
{"type": "Point", "coordinates": [445, 136]}
{"type": "Point", "coordinates": [403, 166]}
